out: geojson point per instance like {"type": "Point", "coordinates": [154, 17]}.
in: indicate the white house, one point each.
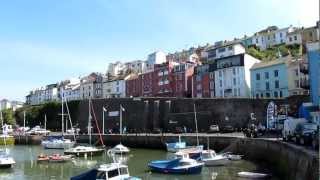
{"type": "Point", "coordinates": [157, 57]}
{"type": "Point", "coordinates": [294, 37]}
{"type": "Point", "coordinates": [70, 89]}
{"type": "Point", "coordinates": [5, 104]}
{"type": "Point", "coordinates": [224, 49]}
{"type": "Point", "coordinates": [43, 95]}
{"type": "Point", "coordinates": [232, 75]}
{"type": "Point", "coordinates": [114, 87]}
{"type": "Point", "coordinates": [135, 66]}
{"type": "Point", "coordinates": [271, 36]}
{"type": "Point", "coordinates": [91, 86]}
{"type": "Point", "coordinates": [116, 68]}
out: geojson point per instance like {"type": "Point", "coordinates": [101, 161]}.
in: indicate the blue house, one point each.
{"type": "Point", "coordinates": [314, 72]}
{"type": "Point", "coordinates": [269, 79]}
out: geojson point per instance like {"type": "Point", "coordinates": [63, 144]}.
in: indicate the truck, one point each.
{"type": "Point", "coordinates": [289, 127]}
{"type": "Point", "coordinates": [305, 132]}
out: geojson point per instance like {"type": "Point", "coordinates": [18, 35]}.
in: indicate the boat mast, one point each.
{"type": "Point", "coordinates": [24, 122]}
{"type": "Point", "coordinates": [120, 120]}
{"type": "Point", "coordinates": [45, 121]}
{"type": "Point", "coordinates": [1, 120]}
{"type": "Point", "coordinates": [73, 130]}
{"type": "Point", "coordinates": [196, 122]}
{"type": "Point", "coordinates": [89, 124]}
{"type": "Point", "coordinates": [62, 117]}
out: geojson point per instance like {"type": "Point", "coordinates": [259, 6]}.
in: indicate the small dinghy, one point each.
{"type": "Point", "coordinates": [252, 175]}
{"type": "Point", "coordinates": [234, 157]}
{"type": "Point", "coordinates": [43, 158]}
{"type": "Point", "coordinates": [56, 158]}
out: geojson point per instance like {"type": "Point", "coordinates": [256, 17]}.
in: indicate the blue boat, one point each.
{"type": "Point", "coordinates": [176, 166]}
{"type": "Point", "coordinates": [176, 146]}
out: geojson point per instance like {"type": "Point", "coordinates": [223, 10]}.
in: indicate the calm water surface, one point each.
{"type": "Point", "coordinates": [28, 168]}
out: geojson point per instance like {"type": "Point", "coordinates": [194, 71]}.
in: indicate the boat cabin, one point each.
{"type": "Point", "coordinates": [113, 171]}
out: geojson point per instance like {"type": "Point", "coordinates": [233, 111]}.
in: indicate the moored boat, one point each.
{"type": "Point", "coordinates": [111, 171]}
{"type": "Point", "coordinates": [84, 151]}
{"type": "Point", "coordinates": [176, 166]}
{"type": "Point", "coordinates": [43, 158]}
{"type": "Point", "coordinates": [210, 158]}
{"type": "Point", "coordinates": [57, 143]}
{"type": "Point", "coordinates": [6, 161]}
{"type": "Point", "coordinates": [119, 149]}
{"type": "Point", "coordinates": [252, 175]}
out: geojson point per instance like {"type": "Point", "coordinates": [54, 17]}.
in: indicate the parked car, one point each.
{"type": "Point", "coordinates": [304, 133]}
{"type": "Point", "coordinates": [227, 129]}
{"type": "Point", "coordinates": [289, 127]}
{"type": "Point", "coordinates": [213, 129]}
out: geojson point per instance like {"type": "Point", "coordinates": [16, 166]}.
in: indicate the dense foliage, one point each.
{"type": "Point", "coordinates": [35, 115]}
{"type": "Point", "coordinates": [275, 52]}
{"type": "Point", "coordinates": [8, 117]}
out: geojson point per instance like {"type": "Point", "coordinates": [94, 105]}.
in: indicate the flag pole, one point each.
{"type": "Point", "coordinates": [120, 120]}
{"type": "Point", "coordinates": [103, 120]}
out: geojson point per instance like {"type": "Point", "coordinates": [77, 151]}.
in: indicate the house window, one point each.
{"type": "Point", "coordinates": [234, 71]}
{"type": "Point", "coordinates": [234, 92]}
{"type": "Point", "coordinates": [276, 84]}
{"type": "Point", "coordinates": [267, 95]}
{"type": "Point", "coordinates": [281, 35]}
{"type": "Point", "coordinates": [230, 48]}
{"type": "Point", "coordinates": [290, 39]}
{"type": "Point", "coordinates": [296, 82]}
{"type": "Point", "coordinates": [220, 50]}
{"type": "Point", "coordinates": [257, 85]}
{"type": "Point", "coordinates": [211, 85]}
{"type": "Point", "coordinates": [257, 95]}
{"type": "Point", "coordinates": [199, 87]}
{"type": "Point", "coordinates": [234, 81]}
{"type": "Point", "coordinates": [295, 38]}
{"type": "Point", "coordinates": [257, 41]}
{"type": "Point", "coordinates": [280, 93]}
{"type": "Point", "coordinates": [211, 75]}
{"type": "Point", "coordinates": [275, 94]}
{"type": "Point", "coordinates": [220, 74]}
{"type": "Point", "coordinates": [258, 76]}
{"type": "Point", "coordinates": [220, 82]}
{"type": "Point", "coordinates": [266, 75]}
{"type": "Point", "coordinates": [117, 89]}
{"type": "Point", "coordinates": [296, 71]}
{"type": "Point", "coordinates": [276, 73]}
{"type": "Point", "coordinates": [198, 78]}
{"type": "Point", "coordinates": [310, 34]}
{"type": "Point", "coordinates": [267, 86]}
{"type": "Point", "coordinates": [238, 91]}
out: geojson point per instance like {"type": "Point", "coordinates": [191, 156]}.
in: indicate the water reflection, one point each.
{"type": "Point", "coordinates": [27, 166]}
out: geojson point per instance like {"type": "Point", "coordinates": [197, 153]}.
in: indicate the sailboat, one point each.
{"type": "Point", "coordinates": [6, 161]}
{"type": "Point", "coordinates": [5, 138]}
{"type": "Point", "coordinates": [58, 142]}
{"type": "Point", "coordinates": [119, 149]}
{"type": "Point", "coordinates": [82, 150]}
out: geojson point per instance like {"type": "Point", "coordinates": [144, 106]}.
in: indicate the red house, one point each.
{"type": "Point", "coordinates": [147, 84]}
{"type": "Point", "coordinates": [133, 86]}
{"type": "Point", "coordinates": [163, 80]}
{"type": "Point", "coordinates": [182, 76]}
{"type": "Point", "coordinates": [201, 82]}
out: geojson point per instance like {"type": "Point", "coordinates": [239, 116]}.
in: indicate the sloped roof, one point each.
{"type": "Point", "coordinates": [278, 61]}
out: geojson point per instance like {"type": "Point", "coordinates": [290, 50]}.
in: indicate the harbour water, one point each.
{"type": "Point", "coordinates": [27, 166]}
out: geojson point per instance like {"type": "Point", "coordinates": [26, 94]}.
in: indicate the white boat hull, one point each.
{"type": "Point", "coordinates": [216, 162]}
{"type": "Point", "coordinates": [252, 175]}
{"type": "Point", "coordinates": [6, 162]}
{"type": "Point", "coordinates": [57, 145]}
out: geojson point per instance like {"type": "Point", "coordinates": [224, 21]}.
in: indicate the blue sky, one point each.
{"type": "Point", "coordinates": [45, 41]}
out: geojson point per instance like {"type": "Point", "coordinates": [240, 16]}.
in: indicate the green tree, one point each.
{"type": "Point", "coordinates": [8, 117]}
